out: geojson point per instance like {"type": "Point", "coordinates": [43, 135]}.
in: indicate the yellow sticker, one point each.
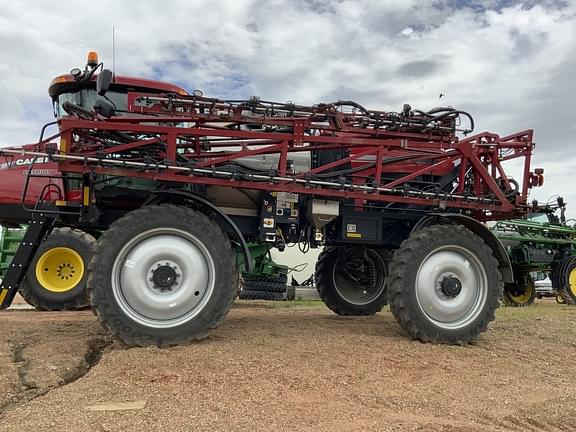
{"type": "Point", "coordinates": [354, 235]}
{"type": "Point", "coordinates": [86, 194]}
{"type": "Point", "coordinates": [3, 295]}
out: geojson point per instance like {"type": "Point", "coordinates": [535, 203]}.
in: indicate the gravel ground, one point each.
{"type": "Point", "coordinates": [291, 369]}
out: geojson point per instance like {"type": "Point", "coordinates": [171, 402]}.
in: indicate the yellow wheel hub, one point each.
{"type": "Point", "coordinates": [525, 296]}
{"type": "Point", "coordinates": [572, 282]}
{"type": "Point", "coordinates": [59, 269]}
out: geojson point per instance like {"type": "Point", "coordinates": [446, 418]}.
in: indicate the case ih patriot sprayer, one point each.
{"type": "Point", "coordinates": [179, 185]}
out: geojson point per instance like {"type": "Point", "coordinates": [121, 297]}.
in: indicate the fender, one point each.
{"type": "Point", "coordinates": [179, 196]}
{"type": "Point", "coordinates": [480, 230]}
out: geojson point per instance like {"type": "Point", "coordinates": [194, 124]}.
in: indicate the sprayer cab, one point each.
{"type": "Point", "coordinates": [97, 87]}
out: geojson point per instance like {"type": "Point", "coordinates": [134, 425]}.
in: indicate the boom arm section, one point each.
{"type": "Point", "coordinates": [412, 158]}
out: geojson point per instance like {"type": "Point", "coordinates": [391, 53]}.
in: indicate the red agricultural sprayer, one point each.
{"type": "Point", "coordinates": [179, 184]}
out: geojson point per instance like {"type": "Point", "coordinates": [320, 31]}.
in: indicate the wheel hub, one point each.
{"type": "Point", "coordinates": [359, 277]}
{"type": "Point", "coordinates": [450, 286]}
{"type": "Point", "coordinates": [165, 277]}
{"type": "Point", "coordinates": [59, 269]}
{"type": "Point", "coordinates": [65, 271]}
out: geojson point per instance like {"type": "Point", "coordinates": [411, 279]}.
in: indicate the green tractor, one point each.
{"type": "Point", "coordinates": [542, 243]}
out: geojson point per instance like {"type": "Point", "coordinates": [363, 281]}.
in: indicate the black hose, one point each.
{"type": "Point", "coordinates": [71, 108]}
{"type": "Point", "coordinates": [346, 103]}
{"type": "Point", "coordinates": [448, 112]}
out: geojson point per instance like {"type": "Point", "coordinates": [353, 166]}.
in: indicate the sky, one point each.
{"type": "Point", "coordinates": [512, 64]}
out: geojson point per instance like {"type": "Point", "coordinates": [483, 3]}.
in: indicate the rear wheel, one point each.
{"type": "Point", "coordinates": [564, 279]}
{"type": "Point", "coordinates": [569, 293]}
{"type": "Point", "coordinates": [56, 278]}
{"type": "Point", "coordinates": [351, 281]}
{"type": "Point", "coordinates": [522, 293]}
{"type": "Point", "coordinates": [162, 275]}
{"type": "Point", "coordinates": [444, 285]}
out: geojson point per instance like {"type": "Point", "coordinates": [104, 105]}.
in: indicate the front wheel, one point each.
{"type": "Point", "coordinates": [56, 277]}
{"type": "Point", "coordinates": [444, 285]}
{"type": "Point", "coordinates": [162, 275]}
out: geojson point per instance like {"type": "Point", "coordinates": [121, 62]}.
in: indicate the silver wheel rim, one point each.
{"type": "Point", "coordinates": [191, 281]}
{"type": "Point", "coordinates": [354, 294]}
{"type": "Point", "coordinates": [451, 311]}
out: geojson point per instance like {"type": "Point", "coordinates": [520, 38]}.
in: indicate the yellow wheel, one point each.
{"type": "Point", "coordinates": [59, 269]}
{"type": "Point", "coordinates": [572, 283]}
{"type": "Point", "coordinates": [56, 278]}
{"type": "Point", "coordinates": [564, 279]}
{"type": "Point", "coordinates": [525, 296]}
{"type": "Point", "coordinates": [560, 299]}
{"type": "Point", "coordinates": [520, 294]}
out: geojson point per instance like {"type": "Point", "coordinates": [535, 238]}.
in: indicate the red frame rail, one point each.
{"type": "Point", "coordinates": [195, 140]}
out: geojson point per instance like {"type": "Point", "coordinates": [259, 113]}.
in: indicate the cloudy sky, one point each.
{"type": "Point", "coordinates": [511, 63]}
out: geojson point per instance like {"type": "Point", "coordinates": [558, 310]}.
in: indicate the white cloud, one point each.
{"type": "Point", "coordinates": [513, 67]}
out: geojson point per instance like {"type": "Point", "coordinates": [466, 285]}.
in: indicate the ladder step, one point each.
{"type": "Point", "coordinates": [39, 226]}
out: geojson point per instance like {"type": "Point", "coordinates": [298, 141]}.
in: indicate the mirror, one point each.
{"type": "Point", "coordinates": [103, 81]}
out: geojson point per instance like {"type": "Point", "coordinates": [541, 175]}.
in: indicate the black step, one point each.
{"type": "Point", "coordinates": [40, 225]}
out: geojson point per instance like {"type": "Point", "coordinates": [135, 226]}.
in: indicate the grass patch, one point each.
{"type": "Point", "coordinates": [540, 309]}
{"type": "Point", "coordinates": [297, 303]}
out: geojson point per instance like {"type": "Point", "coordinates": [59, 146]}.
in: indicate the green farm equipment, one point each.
{"type": "Point", "coordinates": [267, 280]}
{"type": "Point", "coordinates": [542, 243]}
{"type": "Point", "coordinates": [10, 239]}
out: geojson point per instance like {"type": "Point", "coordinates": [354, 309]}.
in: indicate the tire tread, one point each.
{"type": "Point", "coordinates": [40, 303]}
{"type": "Point", "coordinates": [400, 304]}
{"type": "Point", "coordinates": [133, 336]}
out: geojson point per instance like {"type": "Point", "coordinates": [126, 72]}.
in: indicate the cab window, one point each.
{"type": "Point", "coordinates": [86, 98]}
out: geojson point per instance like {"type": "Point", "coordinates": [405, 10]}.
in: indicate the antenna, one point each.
{"type": "Point", "coordinates": [113, 54]}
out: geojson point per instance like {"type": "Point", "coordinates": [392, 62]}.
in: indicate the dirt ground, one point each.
{"type": "Point", "coordinates": [291, 369]}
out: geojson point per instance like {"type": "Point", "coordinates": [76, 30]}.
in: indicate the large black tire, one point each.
{"type": "Point", "coordinates": [430, 271]}
{"type": "Point", "coordinates": [162, 275]}
{"type": "Point", "coordinates": [291, 293]}
{"type": "Point", "coordinates": [521, 293]}
{"type": "Point", "coordinates": [564, 279]}
{"type": "Point", "coordinates": [276, 284]}
{"type": "Point", "coordinates": [56, 277]}
{"type": "Point", "coordinates": [261, 295]}
{"type": "Point", "coordinates": [343, 296]}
